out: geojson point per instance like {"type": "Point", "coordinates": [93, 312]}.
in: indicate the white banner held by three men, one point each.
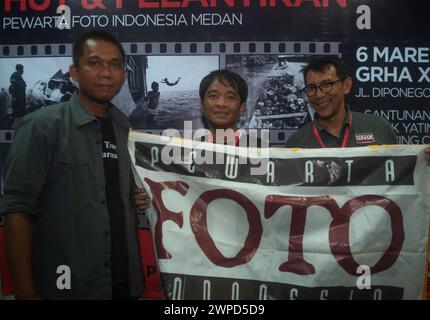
{"type": "Point", "coordinates": [316, 224]}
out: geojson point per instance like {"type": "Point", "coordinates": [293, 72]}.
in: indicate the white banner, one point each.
{"type": "Point", "coordinates": [314, 224]}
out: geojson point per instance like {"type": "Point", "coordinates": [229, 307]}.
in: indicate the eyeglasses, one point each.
{"type": "Point", "coordinates": [325, 87]}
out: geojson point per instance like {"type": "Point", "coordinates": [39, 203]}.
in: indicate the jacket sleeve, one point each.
{"type": "Point", "coordinates": [26, 167]}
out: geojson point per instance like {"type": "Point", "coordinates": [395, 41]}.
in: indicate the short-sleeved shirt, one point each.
{"type": "Point", "coordinates": [54, 173]}
{"type": "Point", "coordinates": [365, 129]}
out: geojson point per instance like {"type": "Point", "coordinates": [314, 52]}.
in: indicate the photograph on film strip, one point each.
{"type": "Point", "coordinates": [163, 91]}
{"type": "Point", "coordinates": [276, 99]}
{"type": "Point", "coordinates": [28, 84]}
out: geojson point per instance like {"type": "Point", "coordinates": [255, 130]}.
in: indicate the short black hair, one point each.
{"type": "Point", "coordinates": [19, 67]}
{"type": "Point", "coordinates": [225, 77]}
{"type": "Point", "coordinates": [154, 85]}
{"type": "Point", "coordinates": [95, 34]}
{"type": "Point", "coordinates": [321, 64]}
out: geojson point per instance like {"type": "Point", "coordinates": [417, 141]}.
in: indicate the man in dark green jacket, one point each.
{"type": "Point", "coordinates": [70, 232]}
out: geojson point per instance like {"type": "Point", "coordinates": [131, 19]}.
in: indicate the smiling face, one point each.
{"type": "Point", "coordinates": [332, 104]}
{"type": "Point", "coordinates": [221, 106]}
{"type": "Point", "coordinates": [100, 72]}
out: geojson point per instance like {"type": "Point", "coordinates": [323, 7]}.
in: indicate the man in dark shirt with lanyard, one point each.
{"type": "Point", "coordinates": [70, 232]}
{"type": "Point", "coordinates": [335, 125]}
{"type": "Point", "coordinates": [327, 84]}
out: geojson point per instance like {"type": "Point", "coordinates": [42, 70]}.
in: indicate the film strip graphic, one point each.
{"type": "Point", "coordinates": [182, 48]}
{"type": "Point", "coordinates": [222, 50]}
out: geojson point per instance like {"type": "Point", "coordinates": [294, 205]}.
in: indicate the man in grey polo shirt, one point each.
{"type": "Point", "coordinates": [70, 232]}
{"type": "Point", "coordinates": [336, 126]}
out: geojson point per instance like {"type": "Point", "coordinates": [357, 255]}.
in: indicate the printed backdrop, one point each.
{"type": "Point", "coordinates": [176, 43]}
